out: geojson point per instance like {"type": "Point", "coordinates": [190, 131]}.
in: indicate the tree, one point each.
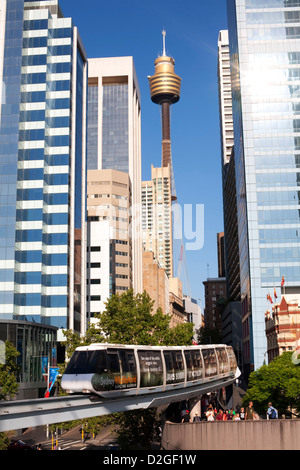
{"type": "Point", "coordinates": [129, 319]}
{"type": "Point", "coordinates": [207, 335]}
{"type": "Point", "coordinates": [8, 371]}
{"type": "Point", "coordinates": [278, 382]}
{"type": "Point", "coordinates": [8, 382]}
{"type": "Point", "coordinates": [137, 429]}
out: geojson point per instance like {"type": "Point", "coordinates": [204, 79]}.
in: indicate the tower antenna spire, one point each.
{"type": "Point", "coordinates": [164, 41]}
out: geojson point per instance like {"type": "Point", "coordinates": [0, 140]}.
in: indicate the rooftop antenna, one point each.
{"type": "Point", "coordinates": [164, 41]}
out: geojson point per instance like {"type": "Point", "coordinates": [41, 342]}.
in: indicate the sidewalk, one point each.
{"type": "Point", "coordinates": [72, 439]}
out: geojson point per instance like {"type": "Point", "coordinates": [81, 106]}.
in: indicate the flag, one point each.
{"type": "Point", "coordinates": [275, 295]}
{"type": "Point", "coordinates": [269, 298]}
{"type": "Point", "coordinates": [282, 281]}
{"type": "Point", "coordinates": [53, 374]}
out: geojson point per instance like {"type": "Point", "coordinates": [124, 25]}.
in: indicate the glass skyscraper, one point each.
{"type": "Point", "coordinates": [264, 37]}
{"type": "Point", "coordinates": [43, 74]}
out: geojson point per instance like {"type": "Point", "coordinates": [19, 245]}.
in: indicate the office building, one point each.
{"type": "Point", "coordinates": [221, 254]}
{"type": "Point", "coordinates": [225, 101]}
{"type": "Point", "coordinates": [114, 135]}
{"type": "Point", "coordinates": [109, 244]}
{"type": "Point", "coordinates": [36, 343]}
{"type": "Point", "coordinates": [231, 313]}
{"type": "Point", "coordinates": [194, 314]}
{"type": "Point", "coordinates": [157, 217]}
{"type": "Point", "coordinates": [231, 249]}
{"type": "Point", "coordinates": [156, 282]}
{"type": "Point", "coordinates": [177, 312]}
{"type": "Point", "coordinates": [215, 295]}
{"type": "Point", "coordinates": [43, 68]}
{"type": "Point", "coordinates": [264, 48]}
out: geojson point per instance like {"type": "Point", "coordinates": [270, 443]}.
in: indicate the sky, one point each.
{"type": "Point", "coordinates": [134, 28]}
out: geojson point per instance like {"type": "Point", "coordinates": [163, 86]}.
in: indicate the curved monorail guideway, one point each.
{"type": "Point", "coordinates": [102, 379]}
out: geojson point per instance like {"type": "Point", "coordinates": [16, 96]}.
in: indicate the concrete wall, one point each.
{"type": "Point", "coordinates": [233, 435]}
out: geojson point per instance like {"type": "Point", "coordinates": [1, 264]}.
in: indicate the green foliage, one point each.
{"type": "Point", "coordinates": [95, 424]}
{"type": "Point", "coordinates": [207, 335]}
{"type": "Point", "coordinates": [8, 371]}
{"type": "Point", "coordinates": [278, 382]}
{"type": "Point", "coordinates": [137, 429]}
{"type": "Point", "coordinates": [8, 383]}
{"type": "Point", "coordinates": [4, 440]}
{"type": "Point", "coordinates": [129, 319]}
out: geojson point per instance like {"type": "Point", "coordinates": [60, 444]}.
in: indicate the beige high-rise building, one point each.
{"type": "Point", "coordinates": [156, 282]}
{"type": "Point", "coordinates": [157, 217]}
{"type": "Point", "coordinates": [109, 257]}
{"type": "Point", "coordinates": [114, 135]}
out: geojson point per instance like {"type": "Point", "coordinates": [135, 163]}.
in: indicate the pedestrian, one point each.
{"type": "Point", "coordinates": [272, 413]}
{"type": "Point", "coordinates": [220, 415]}
{"type": "Point", "coordinates": [210, 415]}
{"type": "Point", "coordinates": [242, 413]}
{"type": "Point", "coordinates": [186, 418]}
{"type": "Point", "coordinates": [237, 417]}
{"type": "Point", "coordinates": [225, 415]}
{"type": "Point", "coordinates": [249, 415]}
{"type": "Point", "coordinates": [196, 417]}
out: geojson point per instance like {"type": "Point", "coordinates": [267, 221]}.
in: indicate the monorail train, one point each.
{"type": "Point", "coordinates": [109, 370]}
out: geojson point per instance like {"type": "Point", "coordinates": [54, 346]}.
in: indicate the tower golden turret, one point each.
{"type": "Point", "coordinates": [165, 90]}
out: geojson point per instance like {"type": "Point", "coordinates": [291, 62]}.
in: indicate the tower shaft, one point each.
{"type": "Point", "coordinates": [166, 134]}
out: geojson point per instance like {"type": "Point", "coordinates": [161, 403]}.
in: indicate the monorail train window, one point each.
{"type": "Point", "coordinates": [194, 364]}
{"type": "Point", "coordinates": [127, 361]}
{"type": "Point", "coordinates": [174, 366]}
{"type": "Point", "coordinates": [113, 361]}
{"type": "Point", "coordinates": [223, 361]}
{"type": "Point", "coordinates": [122, 368]}
{"type": "Point", "coordinates": [151, 368]}
{"type": "Point", "coordinates": [210, 362]}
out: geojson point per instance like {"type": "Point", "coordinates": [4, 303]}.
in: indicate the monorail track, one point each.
{"type": "Point", "coordinates": [42, 411]}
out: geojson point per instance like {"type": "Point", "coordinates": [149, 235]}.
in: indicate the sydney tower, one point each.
{"type": "Point", "coordinates": [165, 91]}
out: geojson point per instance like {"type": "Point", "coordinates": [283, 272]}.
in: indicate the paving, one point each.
{"type": "Point", "coordinates": [69, 440]}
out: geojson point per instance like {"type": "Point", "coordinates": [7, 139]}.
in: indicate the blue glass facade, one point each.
{"type": "Point", "coordinates": [115, 153]}
{"type": "Point", "coordinates": [43, 155]}
{"type": "Point", "coordinates": [9, 131]}
{"type": "Point", "coordinates": [264, 38]}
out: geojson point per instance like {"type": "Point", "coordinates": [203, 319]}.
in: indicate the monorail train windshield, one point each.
{"type": "Point", "coordinates": [87, 362]}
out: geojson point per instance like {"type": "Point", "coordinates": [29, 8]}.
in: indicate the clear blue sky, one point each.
{"type": "Point", "coordinates": [133, 28]}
